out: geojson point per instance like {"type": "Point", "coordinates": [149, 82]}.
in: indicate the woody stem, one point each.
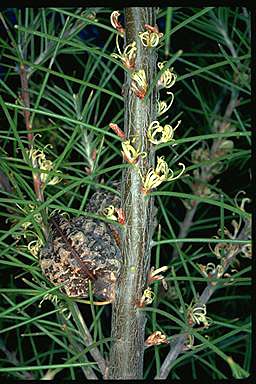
{"type": "Point", "coordinates": [128, 321]}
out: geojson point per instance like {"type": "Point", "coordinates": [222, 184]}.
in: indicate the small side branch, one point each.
{"type": "Point", "coordinates": [205, 296]}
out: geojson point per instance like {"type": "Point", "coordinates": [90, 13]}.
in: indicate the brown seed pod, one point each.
{"type": "Point", "coordinates": [78, 251]}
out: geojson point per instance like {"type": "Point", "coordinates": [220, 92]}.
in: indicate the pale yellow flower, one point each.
{"type": "Point", "coordinates": [39, 160]}
{"type": "Point", "coordinates": [163, 107]}
{"type": "Point", "coordinates": [139, 83]}
{"type": "Point", "coordinates": [130, 153]}
{"type": "Point", "coordinates": [158, 134]}
{"type": "Point", "coordinates": [110, 213]}
{"type": "Point", "coordinates": [167, 78]}
{"type": "Point", "coordinates": [147, 297]}
{"type": "Point", "coordinates": [35, 246]}
{"type": "Point", "coordinates": [155, 177]}
{"type": "Point", "coordinates": [128, 57]}
{"type": "Point", "coordinates": [151, 37]}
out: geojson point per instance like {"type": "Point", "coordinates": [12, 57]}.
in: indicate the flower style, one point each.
{"type": "Point", "coordinates": [139, 83]}
{"type": "Point", "coordinates": [167, 78]}
{"type": "Point", "coordinates": [131, 154]}
{"type": "Point", "coordinates": [163, 107]}
{"type": "Point", "coordinates": [151, 37]}
{"type": "Point", "coordinates": [128, 57]}
{"type": "Point", "coordinates": [166, 133]}
{"type": "Point", "coordinates": [155, 177]}
{"type": "Point", "coordinates": [115, 23]}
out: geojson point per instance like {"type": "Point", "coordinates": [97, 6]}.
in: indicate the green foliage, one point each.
{"type": "Point", "coordinates": [75, 91]}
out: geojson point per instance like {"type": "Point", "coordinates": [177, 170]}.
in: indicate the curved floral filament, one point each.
{"type": "Point", "coordinates": [171, 178]}
{"type": "Point", "coordinates": [163, 107]}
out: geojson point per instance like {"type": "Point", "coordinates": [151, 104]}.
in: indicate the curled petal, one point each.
{"type": "Point", "coordinates": [171, 178]}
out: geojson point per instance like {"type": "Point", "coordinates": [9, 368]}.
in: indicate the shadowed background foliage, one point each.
{"type": "Point", "coordinates": [75, 91]}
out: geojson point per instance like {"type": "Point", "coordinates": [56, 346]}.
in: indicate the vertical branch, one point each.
{"type": "Point", "coordinates": [128, 322]}
{"type": "Point", "coordinates": [26, 101]}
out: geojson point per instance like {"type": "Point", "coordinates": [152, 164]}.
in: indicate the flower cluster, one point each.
{"type": "Point", "coordinates": [128, 56]}
{"type": "Point", "coordinates": [139, 83]}
{"type": "Point", "coordinates": [156, 338]}
{"type": "Point", "coordinates": [131, 154]}
{"type": "Point", "coordinates": [158, 134]}
{"type": "Point", "coordinates": [147, 297]}
{"type": "Point", "coordinates": [155, 177]}
{"type": "Point", "coordinates": [34, 246]}
{"type": "Point", "coordinates": [151, 37]}
{"type": "Point", "coordinates": [38, 158]}
{"type": "Point", "coordinates": [196, 314]}
{"type": "Point", "coordinates": [167, 78]}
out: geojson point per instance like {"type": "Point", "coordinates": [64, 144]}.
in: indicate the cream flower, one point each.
{"type": "Point", "coordinates": [139, 83]}
{"type": "Point", "coordinates": [115, 23]}
{"type": "Point", "coordinates": [130, 153]}
{"type": "Point", "coordinates": [39, 160]}
{"type": "Point", "coordinates": [158, 134]}
{"type": "Point", "coordinates": [155, 177]}
{"type": "Point", "coordinates": [167, 78]}
{"type": "Point", "coordinates": [128, 57]}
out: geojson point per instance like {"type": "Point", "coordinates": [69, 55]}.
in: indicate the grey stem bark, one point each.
{"type": "Point", "coordinates": [128, 321]}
